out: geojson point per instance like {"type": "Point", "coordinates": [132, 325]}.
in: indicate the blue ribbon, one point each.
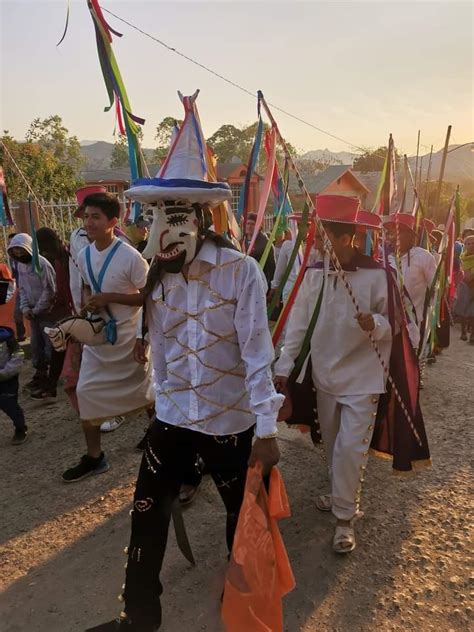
{"type": "Point", "coordinates": [111, 325]}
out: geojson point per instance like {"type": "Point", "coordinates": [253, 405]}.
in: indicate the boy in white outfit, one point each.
{"type": "Point", "coordinates": [348, 376]}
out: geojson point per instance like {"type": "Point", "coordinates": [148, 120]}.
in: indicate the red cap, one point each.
{"type": "Point", "coordinates": [369, 220]}
{"type": "Point", "coordinates": [83, 192]}
{"type": "Point", "coordinates": [405, 220]}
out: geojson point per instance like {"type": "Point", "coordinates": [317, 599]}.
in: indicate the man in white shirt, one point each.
{"type": "Point", "coordinates": [212, 354]}
{"type": "Point", "coordinates": [346, 372]}
{"type": "Point", "coordinates": [416, 268]}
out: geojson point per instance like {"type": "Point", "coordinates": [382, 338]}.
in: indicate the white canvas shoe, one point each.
{"type": "Point", "coordinates": [112, 424]}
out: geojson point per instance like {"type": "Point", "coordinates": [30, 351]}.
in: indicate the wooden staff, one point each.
{"type": "Point", "coordinates": [428, 175]}
{"type": "Point", "coordinates": [441, 171]}
{"type": "Point", "coordinates": [417, 154]}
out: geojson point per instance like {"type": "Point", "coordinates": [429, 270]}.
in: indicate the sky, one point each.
{"type": "Point", "coordinates": [358, 70]}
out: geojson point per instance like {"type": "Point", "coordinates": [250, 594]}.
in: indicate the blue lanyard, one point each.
{"type": "Point", "coordinates": [111, 326]}
{"type": "Point", "coordinates": [97, 284]}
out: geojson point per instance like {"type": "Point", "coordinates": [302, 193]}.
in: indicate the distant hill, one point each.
{"type": "Point", "coordinates": [98, 154]}
{"type": "Point", "coordinates": [459, 165]}
{"type": "Point", "coordinates": [331, 157]}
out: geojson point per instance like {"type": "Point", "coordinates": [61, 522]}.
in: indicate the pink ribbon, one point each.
{"type": "Point", "coordinates": [267, 185]}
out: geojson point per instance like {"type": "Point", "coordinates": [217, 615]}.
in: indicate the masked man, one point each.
{"type": "Point", "coordinates": [211, 351]}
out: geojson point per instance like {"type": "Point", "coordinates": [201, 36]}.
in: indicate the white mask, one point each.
{"type": "Point", "coordinates": [173, 235]}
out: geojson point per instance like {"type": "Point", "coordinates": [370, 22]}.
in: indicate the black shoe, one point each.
{"type": "Point", "coordinates": [86, 467]}
{"type": "Point", "coordinates": [36, 382]}
{"type": "Point", "coordinates": [187, 494]}
{"type": "Point", "coordinates": [123, 625]}
{"type": "Point", "coordinates": [141, 445]}
{"type": "Point", "coordinates": [20, 436]}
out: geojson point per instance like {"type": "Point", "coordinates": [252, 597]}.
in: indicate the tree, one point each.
{"type": "Point", "coordinates": [164, 132]}
{"type": "Point", "coordinates": [310, 167]}
{"type": "Point", "coordinates": [230, 142]}
{"type": "Point", "coordinates": [119, 157]}
{"type": "Point", "coordinates": [49, 158]}
{"type": "Point", "coordinates": [373, 160]}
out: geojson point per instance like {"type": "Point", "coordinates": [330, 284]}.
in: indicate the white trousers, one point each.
{"type": "Point", "coordinates": [347, 426]}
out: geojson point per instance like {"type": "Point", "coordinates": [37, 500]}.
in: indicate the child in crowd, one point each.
{"type": "Point", "coordinates": [11, 362]}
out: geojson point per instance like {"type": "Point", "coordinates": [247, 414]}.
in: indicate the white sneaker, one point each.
{"type": "Point", "coordinates": [112, 424]}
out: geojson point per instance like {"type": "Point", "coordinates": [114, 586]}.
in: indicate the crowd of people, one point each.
{"type": "Point", "coordinates": [188, 341]}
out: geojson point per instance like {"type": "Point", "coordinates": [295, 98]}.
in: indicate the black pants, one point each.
{"type": "Point", "coordinates": [47, 362]}
{"type": "Point", "coordinates": [9, 402]}
{"type": "Point", "coordinates": [169, 456]}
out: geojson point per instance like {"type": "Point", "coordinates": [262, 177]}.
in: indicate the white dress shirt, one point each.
{"type": "Point", "coordinates": [418, 268]}
{"type": "Point", "coordinates": [211, 346]}
{"type": "Point", "coordinates": [282, 263]}
{"type": "Point", "coordinates": [343, 359]}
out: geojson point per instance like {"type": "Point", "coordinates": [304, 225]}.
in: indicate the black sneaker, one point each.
{"type": "Point", "coordinates": [35, 383]}
{"type": "Point", "coordinates": [123, 625]}
{"type": "Point", "coordinates": [20, 436]}
{"type": "Point", "coordinates": [87, 466]}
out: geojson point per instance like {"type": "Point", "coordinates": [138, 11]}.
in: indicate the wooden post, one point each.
{"type": "Point", "coordinates": [441, 171]}
{"type": "Point", "coordinates": [428, 175]}
{"type": "Point", "coordinates": [419, 180]}
{"type": "Point", "coordinates": [417, 154]}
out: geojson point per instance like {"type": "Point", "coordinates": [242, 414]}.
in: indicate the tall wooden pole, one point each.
{"type": "Point", "coordinates": [428, 174]}
{"type": "Point", "coordinates": [441, 171]}
{"type": "Point", "coordinates": [417, 154]}
{"type": "Point", "coordinates": [420, 180]}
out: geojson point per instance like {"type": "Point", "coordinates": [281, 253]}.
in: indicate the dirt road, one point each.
{"type": "Point", "coordinates": [61, 560]}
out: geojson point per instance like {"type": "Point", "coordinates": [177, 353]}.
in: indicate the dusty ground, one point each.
{"type": "Point", "coordinates": [61, 560]}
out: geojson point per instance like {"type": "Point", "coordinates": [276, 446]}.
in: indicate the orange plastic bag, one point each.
{"type": "Point", "coordinates": [259, 572]}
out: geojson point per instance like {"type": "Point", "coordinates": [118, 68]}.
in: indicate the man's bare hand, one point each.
{"type": "Point", "coordinates": [96, 302]}
{"type": "Point", "coordinates": [366, 322]}
{"type": "Point", "coordinates": [267, 452]}
{"type": "Point", "coordinates": [140, 351]}
{"type": "Point", "coordinates": [29, 315]}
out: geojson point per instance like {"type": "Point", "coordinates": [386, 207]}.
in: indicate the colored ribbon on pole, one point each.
{"type": "Point", "coordinates": [128, 123]}
{"type": "Point", "coordinates": [267, 185]}
{"type": "Point", "coordinates": [251, 166]}
{"type": "Point", "coordinates": [291, 299]}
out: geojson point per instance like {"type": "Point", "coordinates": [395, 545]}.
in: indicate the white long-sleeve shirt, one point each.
{"type": "Point", "coordinates": [282, 264]}
{"type": "Point", "coordinates": [343, 360]}
{"type": "Point", "coordinates": [418, 268]}
{"type": "Point", "coordinates": [211, 346]}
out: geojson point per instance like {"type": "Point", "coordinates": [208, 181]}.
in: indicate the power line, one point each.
{"type": "Point", "coordinates": [230, 82]}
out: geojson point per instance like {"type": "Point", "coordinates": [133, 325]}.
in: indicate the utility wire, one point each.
{"type": "Point", "coordinates": [230, 82]}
